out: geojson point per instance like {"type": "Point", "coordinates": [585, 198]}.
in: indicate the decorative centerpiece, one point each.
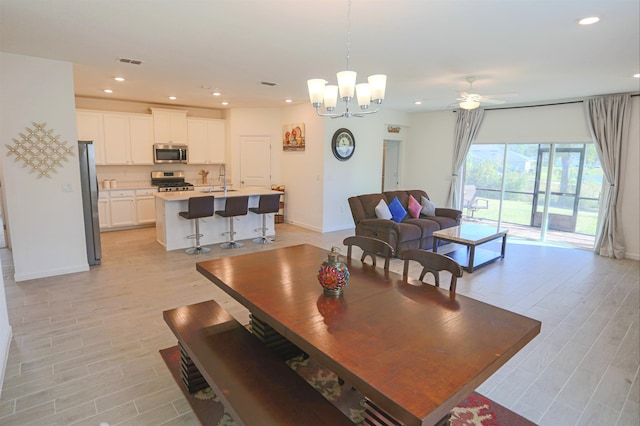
{"type": "Point", "coordinates": [204, 175]}
{"type": "Point", "coordinates": [333, 275]}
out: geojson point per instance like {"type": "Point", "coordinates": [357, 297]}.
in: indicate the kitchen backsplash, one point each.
{"type": "Point", "coordinates": [143, 173]}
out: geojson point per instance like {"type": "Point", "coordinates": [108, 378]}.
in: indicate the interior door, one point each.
{"type": "Point", "coordinates": [390, 167]}
{"type": "Point", "coordinates": [255, 161]}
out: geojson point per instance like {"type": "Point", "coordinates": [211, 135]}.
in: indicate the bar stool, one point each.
{"type": "Point", "coordinates": [198, 207]}
{"type": "Point", "coordinates": [234, 206]}
{"type": "Point", "coordinates": [267, 204]}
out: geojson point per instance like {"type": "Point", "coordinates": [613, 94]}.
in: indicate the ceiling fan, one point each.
{"type": "Point", "coordinates": [470, 100]}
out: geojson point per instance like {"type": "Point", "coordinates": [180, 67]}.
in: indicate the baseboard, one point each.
{"type": "Point", "coordinates": [51, 272]}
{"type": "Point", "coordinates": [632, 256]}
{"type": "Point", "coordinates": [5, 344]}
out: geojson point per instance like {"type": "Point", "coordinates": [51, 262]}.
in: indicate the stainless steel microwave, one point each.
{"type": "Point", "coordinates": [170, 153]}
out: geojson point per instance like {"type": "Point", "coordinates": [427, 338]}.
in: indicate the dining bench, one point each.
{"type": "Point", "coordinates": [255, 386]}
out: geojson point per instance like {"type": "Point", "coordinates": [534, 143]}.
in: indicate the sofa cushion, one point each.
{"type": "Point", "coordinates": [382, 210]}
{"type": "Point", "coordinates": [428, 208]}
{"type": "Point", "coordinates": [427, 226]}
{"type": "Point", "coordinates": [444, 221]}
{"type": "Point", "coordinates": [397, 211]}
{"type": "Point", "coordinates": [369, 203]}
{"type": "Point", "coordinates": [402, 196]}
{"type": "Point", "coordinates": [414, 207]}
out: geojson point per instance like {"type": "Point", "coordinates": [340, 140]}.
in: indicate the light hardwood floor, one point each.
{"type": "Point", "coordinates": [85, 347]}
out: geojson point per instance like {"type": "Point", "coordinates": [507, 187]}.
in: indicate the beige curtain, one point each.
{"type": "Point", "coordinates": [467, 124]}
{"type": "Point", "coordinates": [608, 118]}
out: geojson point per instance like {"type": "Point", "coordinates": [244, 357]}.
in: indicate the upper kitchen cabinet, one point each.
{"type": "Point", "coordinates": [90, 128]}
{"type": "Point", "coordinates": [128, 138]}
{"type": "Point", "coordinates": [206, 141]}
{"type": "Point", "coordinates": [141, 132]}
{"type": "Point", "coordinates": [169, 126]}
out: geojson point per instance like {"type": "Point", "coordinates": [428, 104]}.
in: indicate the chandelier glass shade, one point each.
{"type": "Point", "coordinates": [365, 93]}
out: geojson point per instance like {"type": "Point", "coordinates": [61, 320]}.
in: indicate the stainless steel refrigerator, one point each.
{"type": "Point", "coordinates": [89, 184]}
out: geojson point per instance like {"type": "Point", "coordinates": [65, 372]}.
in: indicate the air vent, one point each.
{"type": "Point", "coordinates": [268, 83]}
{"type": "Point", "coordinates": [130, 61]}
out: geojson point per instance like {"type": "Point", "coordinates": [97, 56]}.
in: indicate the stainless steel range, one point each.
{"type": "Point", "coordinates": [170, 181]}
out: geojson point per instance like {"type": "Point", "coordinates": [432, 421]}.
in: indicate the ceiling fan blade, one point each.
{"type": "Point", "coordinates": [502, 95]}
{"type": "Point", "coordinates": [492, 101]}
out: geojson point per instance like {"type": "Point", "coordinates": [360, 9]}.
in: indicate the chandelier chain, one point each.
{"type": "Point", "coordinates": [348, 32]}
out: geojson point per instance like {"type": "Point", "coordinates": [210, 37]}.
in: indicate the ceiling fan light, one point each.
{"type": "Point", "coordinates": [330, 97]}
{"type": "Point", "coordinates": [347, 84]}
{"type": "Point", "coordinates": [469, 104]}
{"type": "Point", "coordinates": [378, 83]}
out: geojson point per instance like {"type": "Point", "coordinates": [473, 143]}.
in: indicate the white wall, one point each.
{"type": "Point", "coordinates": [362, 173]}
{"type": "Point", "coordinates": [429, 155]}
{"type": "Point", "coordinates": [303, 172]}
{"type": "Point", "coordinates": [40, 214]}
{"type": "Point", "coordinates": [5, 331]}
{"type": "Point", "coordinates": [563, 123]}
{"type": "Point", "coordinates": [252, 122]}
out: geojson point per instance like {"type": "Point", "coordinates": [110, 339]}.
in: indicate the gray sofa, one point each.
{"type": "Point", "coordinates": [411, 233]}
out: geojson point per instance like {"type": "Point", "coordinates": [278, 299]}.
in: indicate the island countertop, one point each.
{"type": "Point", "coordinates": [173, 231]}
{"type": "Point", "coordinates": [217, 193]}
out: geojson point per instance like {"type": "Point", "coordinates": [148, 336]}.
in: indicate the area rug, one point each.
{"type": "Point", "coordinates": [475, 410]}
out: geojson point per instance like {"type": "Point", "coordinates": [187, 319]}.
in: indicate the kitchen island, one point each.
{"type": "Point", "coordinates": [172, 230]}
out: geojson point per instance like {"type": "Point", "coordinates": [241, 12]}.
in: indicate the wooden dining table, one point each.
{"type": "Point", "coordinates": [414, 350]}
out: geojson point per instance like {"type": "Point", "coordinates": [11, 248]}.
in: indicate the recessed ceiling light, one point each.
{"type": "Point", "coordinates": [418, 102]}
{"type": "Point", "coordinates": [637, 75]}
{"type": "Point", "coordinates": [288, 101]}
{"type": "Point", "coordinates": [225, 103]}
{"type": "Point", "coordinates": [118, 78]}
{"type": "Point", "coordinates": [173, 98]}
{"type": "Point", "coordinates": [588, 21]}
{"type": "Point", "coordinates": [108, 91]}
{"type": "Point", "coordinates": [216, 93]}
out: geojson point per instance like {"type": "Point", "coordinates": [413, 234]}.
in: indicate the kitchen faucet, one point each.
{"type": "Point", "coordinates": [222, 173]}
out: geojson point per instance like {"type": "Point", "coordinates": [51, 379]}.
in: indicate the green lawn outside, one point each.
{"type": "Point", "coordinates": [519, 212]}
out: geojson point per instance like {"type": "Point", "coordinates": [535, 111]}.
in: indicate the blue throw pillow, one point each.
{"type": "Point", "coordinates": [397, 211]}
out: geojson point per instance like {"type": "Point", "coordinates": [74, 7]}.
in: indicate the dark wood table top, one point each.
{"type": "Point", "coordinates": [413, 349]}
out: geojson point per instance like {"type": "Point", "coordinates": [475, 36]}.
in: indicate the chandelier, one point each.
{"type": "Point", "coordinates": [366, 93]}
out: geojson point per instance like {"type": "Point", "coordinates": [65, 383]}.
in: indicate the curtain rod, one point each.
{"type": "Point", "coordinates": [541, 105]}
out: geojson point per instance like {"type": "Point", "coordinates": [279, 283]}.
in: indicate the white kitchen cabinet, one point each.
{"type": "Point", "coordinates": [128, 139]}
{"type": "Point", "coordinates": [169, 126]}
{"type": "Point", "coordinates": [207, 141]}
{"type": "Point", "coordinates": [116, 138]}
{"type": "Point", "coordinates": [141, 138]}
{"type": "Point", "coordinates": [90, 127]}
{"type": "Point", "coordinates": [104, 212]}
{"type": "Point", "coordinates": [122, 208]}
{"type": "Point", "coordinates": [145, 206]}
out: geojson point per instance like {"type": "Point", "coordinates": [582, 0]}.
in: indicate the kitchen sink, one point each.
{"type": "Point", "coordinates": [217, 190]}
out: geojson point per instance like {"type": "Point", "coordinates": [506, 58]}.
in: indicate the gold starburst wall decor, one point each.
{"type": "Point", "coordinates": [40, 150]}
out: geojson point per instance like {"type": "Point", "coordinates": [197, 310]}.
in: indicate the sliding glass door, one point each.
{"type": "Point", "coordinates": [546, 192]}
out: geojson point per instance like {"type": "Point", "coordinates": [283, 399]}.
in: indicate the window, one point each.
{"type": "Point", "coordinates": [508, 184]}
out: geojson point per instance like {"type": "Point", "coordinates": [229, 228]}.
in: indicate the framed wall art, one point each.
{"type": "Point", "coordinates": [293, 137]}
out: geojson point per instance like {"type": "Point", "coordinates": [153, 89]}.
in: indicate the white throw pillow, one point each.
{"type": "Point", "coordinates": [428, 208]}
{"type": "Point", "coordinates": [382, 211]}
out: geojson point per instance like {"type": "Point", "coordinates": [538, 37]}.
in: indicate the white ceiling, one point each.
{"type": "Point", "coordinates": [427, 48]}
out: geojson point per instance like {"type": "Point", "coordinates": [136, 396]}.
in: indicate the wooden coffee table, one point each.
{"type": "Point", "coordinates": [471, 236]}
